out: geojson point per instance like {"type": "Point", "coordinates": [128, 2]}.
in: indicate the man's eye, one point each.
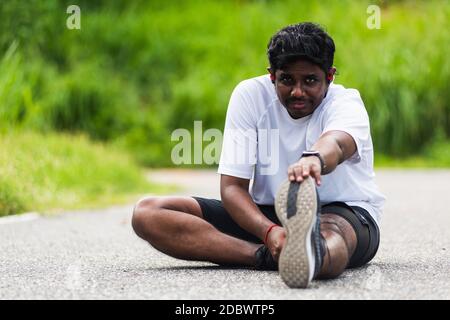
{"type": "Point", "coordinates": [286, 80]}
{"type": "Point", "coordinates": [311, 80]}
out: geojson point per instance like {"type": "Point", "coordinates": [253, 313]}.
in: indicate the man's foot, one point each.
{"type": "Point", "coordinates": [297, 207]}
{"type": "Point", "coordinates": [264, 259]}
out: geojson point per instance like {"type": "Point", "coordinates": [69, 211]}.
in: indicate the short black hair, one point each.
{"type": "Point", "coordinates": [305, 40]}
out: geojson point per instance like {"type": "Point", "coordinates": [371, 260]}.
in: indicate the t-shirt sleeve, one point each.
{"type": "Point", "coordinates": [238, 156]}
{"type": "Point", "coordinates": [348, 114]}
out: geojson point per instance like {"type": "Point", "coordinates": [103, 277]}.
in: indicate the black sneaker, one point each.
{"type": "Point", "coordinates": [298, 208]}
{"type": "Point", "coordinates": [264, 259]}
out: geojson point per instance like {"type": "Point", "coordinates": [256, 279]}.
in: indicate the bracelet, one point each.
{"type": "Point", "coordinates": [268, 230]}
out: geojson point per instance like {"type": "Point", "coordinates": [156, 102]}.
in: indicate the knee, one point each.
{"type": "Point", "coordinates": [334, 224]}
{"type": "Point", "coordinates": [143, 213]}
{"type": "Point", "coordinates": [336, 256]}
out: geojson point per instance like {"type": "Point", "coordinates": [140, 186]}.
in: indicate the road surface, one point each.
{"type": "Point", "coordinates": [95, 254]}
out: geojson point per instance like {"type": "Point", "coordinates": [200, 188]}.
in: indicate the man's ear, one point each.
{"type": "Point", "coordinates": [272, 74]}
{"type": "Point", "coordinates": [330, 74]}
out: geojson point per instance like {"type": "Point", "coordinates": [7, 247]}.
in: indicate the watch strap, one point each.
{"type": "Point", "coordinates": [315, 154]}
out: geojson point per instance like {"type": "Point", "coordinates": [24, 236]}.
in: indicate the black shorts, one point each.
{"type": "Point", "coordinates": [367, 232]}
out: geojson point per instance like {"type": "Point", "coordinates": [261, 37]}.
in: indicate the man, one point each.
{"type": "Point", "coordinates": [323, 138]}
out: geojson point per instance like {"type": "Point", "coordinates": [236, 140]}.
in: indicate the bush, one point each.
{"type": "Point", "coordinates": [137, 70]}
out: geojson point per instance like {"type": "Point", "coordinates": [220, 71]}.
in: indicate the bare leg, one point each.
{"type": "Point", "coordinates": [340, 238]}
{"type": "Point", "coordinates": [175, 226]}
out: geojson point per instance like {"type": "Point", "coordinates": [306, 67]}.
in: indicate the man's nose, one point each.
{"type": "Point", "coordinates": [297, 91]}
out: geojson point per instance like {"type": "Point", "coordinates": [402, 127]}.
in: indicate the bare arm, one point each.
{"type": "Point", "coordinates": [240, 205]}
{"type": "Point", "coordinates": [334, 146]}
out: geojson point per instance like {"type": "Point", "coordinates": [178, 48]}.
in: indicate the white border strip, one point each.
{"type": "Point", "coordinates": [26, 217]}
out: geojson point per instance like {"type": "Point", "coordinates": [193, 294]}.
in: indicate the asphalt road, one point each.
{"type": "Point", "coordinates": [95, 254]}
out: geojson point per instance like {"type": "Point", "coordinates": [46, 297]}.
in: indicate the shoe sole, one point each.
{"type": "Point", "coordinates": [296, 207]}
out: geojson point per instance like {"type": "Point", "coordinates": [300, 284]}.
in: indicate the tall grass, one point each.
{"type": "Point", "coordinates": [137, 70]}
{"type": "Point", "coordinates": [53, 172]}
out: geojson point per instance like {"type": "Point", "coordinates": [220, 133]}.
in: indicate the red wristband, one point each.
{"type": "Point", "coordinates": [268, 230]}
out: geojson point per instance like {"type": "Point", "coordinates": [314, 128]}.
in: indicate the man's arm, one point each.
{"type": "Point", "coordinates": [237, 201]}
{"type": "Point", "coordinates": [334, 146]}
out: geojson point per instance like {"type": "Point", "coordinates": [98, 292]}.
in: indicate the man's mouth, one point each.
{"type": "Point", "coordinates": [297, 104]}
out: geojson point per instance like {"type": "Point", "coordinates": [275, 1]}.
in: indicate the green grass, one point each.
{"type": "Point", "coordinates": [50, 173]}
{"type": "Point", "coordinates": [437, 155]}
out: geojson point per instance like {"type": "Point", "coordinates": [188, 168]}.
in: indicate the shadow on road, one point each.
{"type": "Point", "coordinates": [212, 268]}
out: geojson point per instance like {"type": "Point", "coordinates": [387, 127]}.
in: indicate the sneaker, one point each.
{"type": "Point", "coordinates": [297, 206]}
{"type": "Point", "coordinates": [264, 259]}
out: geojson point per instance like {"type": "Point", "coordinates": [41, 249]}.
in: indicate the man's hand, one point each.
{"type": "Point", "coordinates": [305, 167]}
{"type": "Point", "coordinates": [275, 241]}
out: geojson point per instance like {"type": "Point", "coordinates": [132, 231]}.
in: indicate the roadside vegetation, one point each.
{"type": "Point", "coordinates": [82, 110]}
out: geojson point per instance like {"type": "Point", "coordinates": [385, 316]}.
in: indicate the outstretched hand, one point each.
{"type": "Point", "coordinates": [305, 167]}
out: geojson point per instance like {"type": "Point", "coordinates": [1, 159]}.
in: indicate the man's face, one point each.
{"type": "Point", "coordinates": [301, 87]}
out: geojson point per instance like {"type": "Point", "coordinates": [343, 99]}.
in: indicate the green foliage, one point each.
{"type": "Point", "coordinates": [139, 69]}
{"type": "Point", "coordinates": [11, 199]}
{"type": "Point", "coordinates": [435, 155]}
{"type": "Point", "coordinates": [48, 172]}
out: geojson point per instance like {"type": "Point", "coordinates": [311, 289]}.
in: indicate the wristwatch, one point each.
{"type": "Point", "coordinates": [315, 154]}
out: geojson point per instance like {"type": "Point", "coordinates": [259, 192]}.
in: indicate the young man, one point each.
{"type": "Point", "coordinates": [322, 137]}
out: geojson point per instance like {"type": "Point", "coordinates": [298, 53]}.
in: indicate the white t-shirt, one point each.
{"type": "Point", "coordinates": [261, 141]}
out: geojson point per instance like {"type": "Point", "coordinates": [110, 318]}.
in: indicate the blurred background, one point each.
{"type": "Point", "coordinates": [84, 113]}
